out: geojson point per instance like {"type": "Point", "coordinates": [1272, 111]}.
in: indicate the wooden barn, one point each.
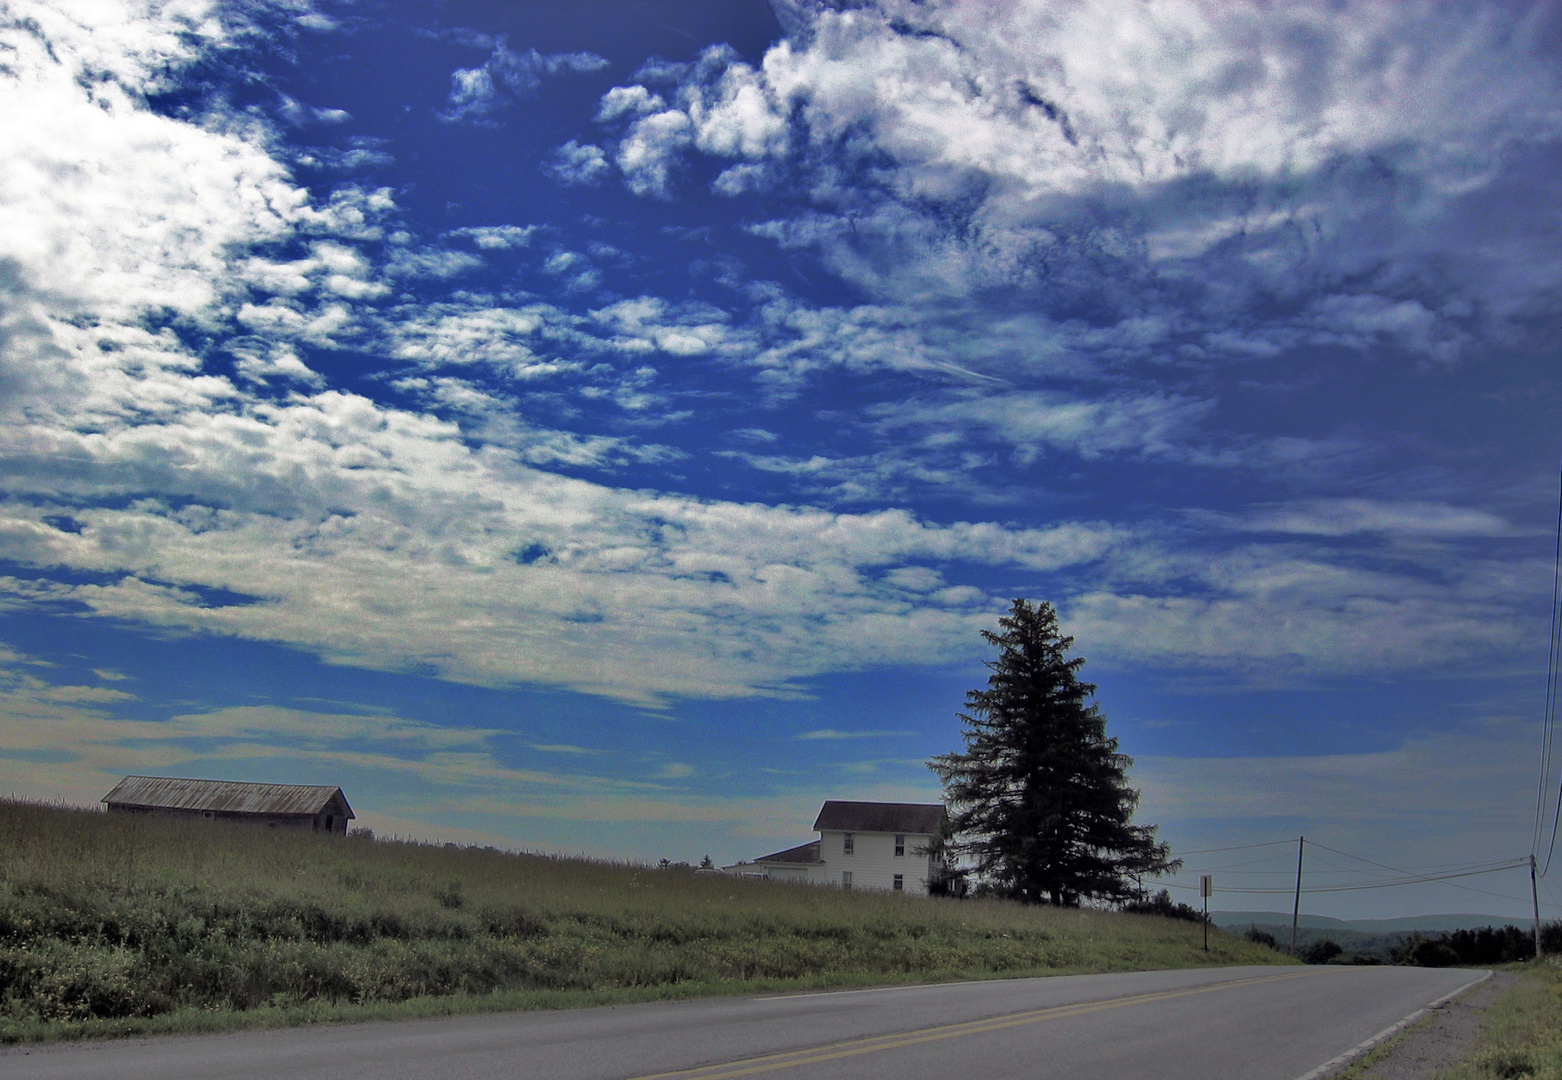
{"type": "Point", "coordinates": [278, 806]}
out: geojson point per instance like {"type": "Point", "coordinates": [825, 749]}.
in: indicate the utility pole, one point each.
{"type": "Point", "coordinates": [1206, 890]}
{"type": "Point", "coordinates": [1534, 896]}
{"type": "Point", "coordinates": [1296, 907]}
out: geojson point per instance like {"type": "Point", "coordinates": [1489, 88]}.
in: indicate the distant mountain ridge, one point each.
{"type": "Point", "coordinates": [1425, 923]}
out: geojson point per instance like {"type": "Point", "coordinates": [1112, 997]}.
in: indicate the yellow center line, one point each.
{"type": "Point", "coordinates": [853, 1048]}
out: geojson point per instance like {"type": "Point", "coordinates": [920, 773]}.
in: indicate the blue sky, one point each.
{"type": "Point", "coordinates": [607, 427]}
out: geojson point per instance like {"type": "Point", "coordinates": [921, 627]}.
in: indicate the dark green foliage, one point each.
{"type": "Point", "coordinates": [1321, 952]}
{"type": "Point", "coordinates": [1471, 948]}
{"type": "Point", "coordinates": [1476, 948]}
{"type": "Point", "coordinates": [1261, 937]}
{"type": "Point", "coordinates": [1162, 904]}
{"type": "Point", "coordinates": [1039, 800]}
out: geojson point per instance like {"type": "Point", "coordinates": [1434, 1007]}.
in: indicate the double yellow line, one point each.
{"type": "Point", "coordinates": [815, 1055]}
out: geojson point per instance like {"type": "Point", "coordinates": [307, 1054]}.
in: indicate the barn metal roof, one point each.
{"type": "Point", "coordinates": [886, 817]}
{"type": "Point", "coordinates": [231, 796]}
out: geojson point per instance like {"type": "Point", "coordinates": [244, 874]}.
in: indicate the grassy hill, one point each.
{"type": "Point", "coordinates": [113, 924]}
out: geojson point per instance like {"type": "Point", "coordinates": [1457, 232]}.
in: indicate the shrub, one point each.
{"type": "Point", "coordinates": [1261, 937]}
{"type": "Point", "coordinates": [1161, 904]}
{"type": "Point", "coordinates": [1321, 952]}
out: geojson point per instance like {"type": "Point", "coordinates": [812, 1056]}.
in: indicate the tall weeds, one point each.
{"type": "Point", "coordinates": [113, 918]}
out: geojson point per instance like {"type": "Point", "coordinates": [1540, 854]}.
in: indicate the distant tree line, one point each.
{"type": "Point", "coordinates": [1457, 948]}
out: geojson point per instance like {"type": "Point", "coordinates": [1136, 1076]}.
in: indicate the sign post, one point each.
{"type": "Point", "coordinates": [1206, 890]}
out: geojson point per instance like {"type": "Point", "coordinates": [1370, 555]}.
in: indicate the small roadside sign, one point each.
{"type": "Point", "coordinates": [1206, 890]}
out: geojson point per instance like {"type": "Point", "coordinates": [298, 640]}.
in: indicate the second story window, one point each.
{"type": "Point", "coordinates": [848, 846]}
{"type": "Point", "coordinates": [900, 845]}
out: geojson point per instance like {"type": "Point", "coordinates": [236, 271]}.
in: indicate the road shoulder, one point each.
{"type": "Point", "coordinates": [1447, 1035]}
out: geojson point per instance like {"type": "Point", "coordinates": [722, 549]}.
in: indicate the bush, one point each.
{"type": "Point", "coordinates": [1432, 953]}
{"type": "Point", "coordinates": [1321, 952]}
{"type": "Point", "coordinates": [1261, 937]}
{"type": "Point", "coordinates": [1161, 904]}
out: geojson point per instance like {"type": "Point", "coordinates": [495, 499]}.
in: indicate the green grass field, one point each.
{"type": "Point", "coordinates": [117, 925]}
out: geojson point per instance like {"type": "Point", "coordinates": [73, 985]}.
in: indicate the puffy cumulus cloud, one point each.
{"type": "Point", "coordinates": [497, 237]}
{"type": "Point", "coordinates": [477, 93]}
{"type": "Point", "coordinates": [578, 163]}
{"type": "Point", "coordinates": [1063, 98]}
{"type": "Point", "coordinates": [90, 180]}
{"type": "Point", "coordinates": [649, 324]}
{"type": "Point", "coordinates": [1308, 160]}
{"type": "Point", "coordinates": [723, 107]}
{"type": "Point", "coordinates": [499, 338]}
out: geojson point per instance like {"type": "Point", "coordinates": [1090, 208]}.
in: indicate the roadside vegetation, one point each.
{"type": "Point", "coordinates": [118, 925]}
{"type": "Point", "coordinates": [1521, 1033]}
{"type": "Point", "coordinates": [1488, 946]}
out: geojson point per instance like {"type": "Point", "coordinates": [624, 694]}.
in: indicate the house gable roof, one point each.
{"type": "Point", "coordinates": [226, 796]}
{"type": "Point", "coordinates": [922, 818]}
{"type": "Point", "coordinates": [802, 853]}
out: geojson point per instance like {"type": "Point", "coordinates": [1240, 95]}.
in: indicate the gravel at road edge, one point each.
{"type": "Point", "coordinates": [1450, 1034]}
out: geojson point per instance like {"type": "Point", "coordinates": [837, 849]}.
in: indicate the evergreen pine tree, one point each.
{"type": "Point", "coordinates": [1039, 801]}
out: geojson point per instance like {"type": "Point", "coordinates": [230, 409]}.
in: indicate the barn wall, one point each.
{"type": "Point", "coordinates": [301, 822]}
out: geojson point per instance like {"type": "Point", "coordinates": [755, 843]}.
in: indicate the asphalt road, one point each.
{"type": "Point", "coordinates": [1222, 1024]}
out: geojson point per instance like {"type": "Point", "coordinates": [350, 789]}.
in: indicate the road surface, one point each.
{"type": "Point", "coordinates": [1251, 1023]}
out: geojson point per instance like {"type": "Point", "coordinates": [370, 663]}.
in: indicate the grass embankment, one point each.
{"type": "Point", "coordinates": [117, 925]}
{"type": "Point", "coordinates": [1521, 1034]}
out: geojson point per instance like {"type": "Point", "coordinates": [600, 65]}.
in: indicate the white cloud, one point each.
{"type": "Point", "coordinates": [831, 734]}
{"type": "Point", "coordinates": [628, 101]}
{"type": "Point", "coordinates": [1347, 517]}
{"type": "Point", "coordinates": [497, 237]}
{"type": "Point", "coordinates": [1036, 422]}
{"type": "Point", "coordinates": [1176, 157]}
{"type": "Point", "coordinates": [396, 538]}
{"type": "Point", "coordinates": [724, 108]}
{"type": "Point", "coordinates": [477, 93]}
{"type": "Point", "coordinates": [577, 163]}
{"type": "Point", "coordinates": [648, 153]}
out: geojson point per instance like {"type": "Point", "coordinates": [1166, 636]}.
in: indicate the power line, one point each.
{"type": "Point", "coordinates": [1386, 883]}
{"type": "Point", "coordinates": [1504, 863]}
{"type": "Point", "coordinates": [1241, 847]}
{"type": "Point", "coordinates": [1444, 873]}
{"type": "Point", "coordinates": [1548, 716]}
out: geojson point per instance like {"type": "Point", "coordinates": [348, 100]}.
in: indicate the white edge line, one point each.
{"type": "Point", "coordinates": [1333, 1065]}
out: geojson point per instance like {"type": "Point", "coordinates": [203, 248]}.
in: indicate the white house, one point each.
{"type": "Point", "coordinates": [861, 845]}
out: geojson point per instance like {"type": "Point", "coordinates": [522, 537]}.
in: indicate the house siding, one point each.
{"type": "Point", "coordinates": [873, 863]}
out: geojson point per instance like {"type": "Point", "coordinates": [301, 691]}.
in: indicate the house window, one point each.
{"type": "Point", "coordinates": [846, 877]}
{"type": "Point", "coordinates": [848, 846]}
{"type": "Point", "coordinates": [900, 845]}
{"type": "Point", "coordinates": [900, 883]}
